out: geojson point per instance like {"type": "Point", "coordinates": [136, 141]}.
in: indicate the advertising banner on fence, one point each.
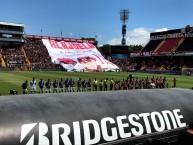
{"type": "Point", "coordinates": [76, 56]}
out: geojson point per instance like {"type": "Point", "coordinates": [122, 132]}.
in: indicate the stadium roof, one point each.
{"type": "Point", "coordinates": [12, 24]}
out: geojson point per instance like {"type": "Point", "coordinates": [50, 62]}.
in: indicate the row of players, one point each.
{"type": "Point", "coordinates": [68, 85]}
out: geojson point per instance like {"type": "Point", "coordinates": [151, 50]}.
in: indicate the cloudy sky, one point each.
{"type": "Point", "coordinates": [90, 18]}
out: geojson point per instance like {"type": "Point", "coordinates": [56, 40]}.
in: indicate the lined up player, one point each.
{"type": "Point", "coordinates": [66, 83]}
{"type": "Point", "coordinates": [33, 86]}
{"type": "Point", "coordinates": [55, 86]}
{"type": "Point", "coordinates": [24, 87]}
{"type": "Point", "coordinates": [84, 86]}
{"type": "Point", "coordinates": [48, 86]}
{"type": "Point", "coordinates": [71, 84]}
{"type": "Point", "coordinates": [61, 85]}
{"type": "Point", "coordinates": [89, 85]}
{"type": "Point", "coordinates": [41, 86]}
{"type": "Point", "coordinates": [79, 84]}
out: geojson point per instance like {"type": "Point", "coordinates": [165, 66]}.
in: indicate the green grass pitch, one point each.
{"type": "Point", "coordinates": [14, 79]}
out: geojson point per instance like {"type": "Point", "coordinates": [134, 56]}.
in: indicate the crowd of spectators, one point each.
{"type": "Point", "coordinates": [38, 55]}
{"type": "Point", "coordinates": [13, 57]}
{"type": "Point", "coordinates": [153, 63]}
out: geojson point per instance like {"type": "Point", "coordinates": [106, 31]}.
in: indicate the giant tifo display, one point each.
{"type": "Point", "coordinates": [76, 56]}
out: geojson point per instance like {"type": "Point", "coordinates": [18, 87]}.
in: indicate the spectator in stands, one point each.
{"type": "Point", "coordinates": [33, 85]}
{"type": "Point", "coordinates": [24, 87]}
{"type": "Point", "coordinates": [38, 55]}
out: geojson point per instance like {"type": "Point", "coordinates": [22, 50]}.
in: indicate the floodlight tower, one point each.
{"type": "Point", "coordinates": [124, 16]}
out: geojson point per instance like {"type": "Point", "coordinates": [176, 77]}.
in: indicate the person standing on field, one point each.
{"type": "Point", "coordinates": [33, 86]}
{"type": "Point", "coordinates": [24, 87]}
{"type": "Point", "coordinates": [41, 86]}
{"type": "Point", "coordinates": [174, 82]}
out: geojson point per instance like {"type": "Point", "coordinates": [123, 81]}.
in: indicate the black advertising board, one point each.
{"type": "Point", "coordinates": [92, 117]}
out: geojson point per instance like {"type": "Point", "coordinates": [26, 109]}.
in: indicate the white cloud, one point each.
{"type": "Point", "coordinates": [137, 36]}
{"type": "Point", "coordinates": [134, 37]}
{"type": "Point", "coordinates": [160, 30]}
{"type": "Point", "coordinates": [99, 37]}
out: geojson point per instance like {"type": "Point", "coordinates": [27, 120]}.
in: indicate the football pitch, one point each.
{"type": "Point", "coordinates": [12, 80]}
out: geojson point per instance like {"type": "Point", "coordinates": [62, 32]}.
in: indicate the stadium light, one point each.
{"type": "Point", "coordinates": [124, 17]}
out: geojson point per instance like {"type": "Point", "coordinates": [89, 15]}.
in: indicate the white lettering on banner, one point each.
{"type": "Point", "coordinates": [122, 126]}
{"type": "Point", "coordinates": [155, 123]}
{"type": "Point", "coordinates": [77, 137]}
{"type": "Point", "coordinates": [56, 136]}
{"type": "Point", "coordinates": [77, 56]}
{"type": "Point", "coordinates": [87, 134]}
{"type": "Point", "coordinates": [134, 123]}
{"type": "Point", "coordinates": [94, 132]}
{"type": "Point", "coordinates": [170, 114]}
{"type": "Point", "coordinates": [104, 130]}
{"type": "Point", "coordinates": [146, 120]}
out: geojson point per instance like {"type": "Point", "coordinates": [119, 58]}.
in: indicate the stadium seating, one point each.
{"type": "Point", "coordinates": [168, 45]}
{"type": "Point", "coordinates": [12, 58]}
{"type": "Point", "coordinates": [186, 46]}
{"type": "Point", "coordinates": [37, 55]}
{"type": "Point", "coordinates": [151, 45]}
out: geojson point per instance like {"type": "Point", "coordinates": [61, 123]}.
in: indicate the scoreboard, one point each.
{"type": "Point", "coordinates": [119, 51]}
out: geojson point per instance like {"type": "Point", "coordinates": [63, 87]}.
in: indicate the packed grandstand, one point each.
{"type": "Point", "coordinates": [166, 52]}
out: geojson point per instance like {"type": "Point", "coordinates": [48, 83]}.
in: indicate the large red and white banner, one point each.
{"type": "Point", "coordinates": [76, 56]}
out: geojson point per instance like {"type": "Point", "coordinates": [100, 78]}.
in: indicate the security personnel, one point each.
{"type": "Point", "coordinates": [111, 84]}
{"type": "Point", "coordinates": [95, 84]}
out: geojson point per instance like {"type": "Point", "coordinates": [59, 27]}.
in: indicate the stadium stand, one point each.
{"type": "Point", "coordinates": [151, 45]}
{"type": "Point", "coordinates": [12, 58]}
{"type": "Point", "coordinates": [37, 55]}
{"type": "Point", "coordinates": [186, 46]}
{"type": "Point", "coordinates": [168, 45]}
